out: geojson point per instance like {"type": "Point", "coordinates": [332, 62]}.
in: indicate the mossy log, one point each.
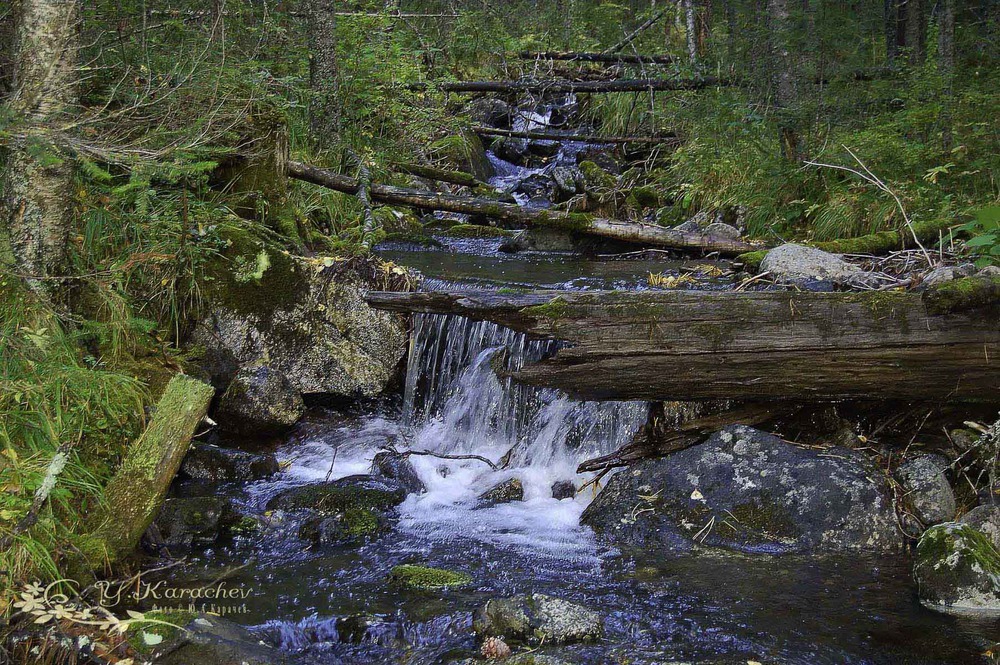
{"type": "Point", "coordinates": [776, 345]}
{"type": "Point", "coordinates": [612, 58]}
{"type": "Point", "coordinates": [636, 232]}
{"type": "Point", "coordinates": [136, 491]}
{"type": "Point", "coordinates": [441, 175]}
{"type": "Point", "coordinates": [556, 86]}
{"type": "Point", "coordinates": [669, 140]}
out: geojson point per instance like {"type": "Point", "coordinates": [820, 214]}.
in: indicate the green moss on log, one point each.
{"type": "Point", "coordinates": [555, 309]}
{"type": "Point", "coordinates": [963, 294]}
{"type": "Point", "coordinates": [477, 231]}
{"type": "Point", "coordinates": [428, 579]}
{"type": "Point", "coordinates": [752, 260]}
{"type": "Point", "coordinates": [886, 241]}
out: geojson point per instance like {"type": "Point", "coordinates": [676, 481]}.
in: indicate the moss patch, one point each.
{"type": "Point", "coordinates": [421, 577]}
{"type": "Point", "coordinates": [477, 231]}
{"type": "Point", "coordinates": [178, 618]}
{"type": "Point", "coordinates": [963, 294]}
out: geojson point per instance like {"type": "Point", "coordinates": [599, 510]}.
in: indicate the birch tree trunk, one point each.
{"type": "Point", "coordinates": [691, 30]}
{"type": "Point", "coordinates": [324, 111]}
{"type": "Point", "coordinates": [36, 210]}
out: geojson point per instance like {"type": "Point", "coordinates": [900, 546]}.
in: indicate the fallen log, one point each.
{"type": "Point", "coordinates": [636, 232]}
{"type": "Point", "coordinates": [756, 346]}
{"type": "Point", "coordinates": [562, 86]}
{"type": "Point", "coordinates": [134, 494]}
{"type": "Point", "coordinates": [578, 56]}
{"type": "Point", "coordinates": [645, 25]}
{"type": "Point", "coordinates": [581, 138]}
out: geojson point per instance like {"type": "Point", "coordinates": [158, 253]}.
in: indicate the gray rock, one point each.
{"type": "Point", "coordinates": [600, 156]}
{"type": "Point", "coordinates": [791, 263]}
{"type": "Point", "coordinates": [207, 462]}
{"type": "Point", "coordinates": [927, 489]}
{"type": "Point", "coordinates": [536, 185]}
{"type": "Point", "coordinates": [512, 150]}
{"type": "Point", "coordinates": [505, 492]}
{"type": "Point", "coordinates": [957, 569]}
{"type": "Point", "coordinates": [723, 230]}
{"type": "Point", "coordinates": [306, 322]}
{"type": "Point", "coordinates": [211, 640]}
{"type": "Point", "coordinates": [985, 519]}
{"type": "Point", "coordinates": [747, 490]}
{"type": "Point", "coordinates": [490, 111]}
{"type": "Point", "coordinates": [947, 274]}
{"type": "Point", "coordinates": [352, 492]}
{"type": "Point", "coordinates": [351, 526]}
{"type": "Point", "coordinates": [700, 221]}
{"type": "Point", "coordinates": [541, 240]}
{"type": "Point", "coordinates": [191, 522]}
{"type": "Point", "coordinates": [399, 468]}
{"type": "Point", "coordinates": [563, 489]}
{"type": "Point", "coordinates": [537, 618]}
{"type": "Point", "coordinates": [568, 183]}
{"type": "Point", "coordinates": [989, 271]}
{"type": "Point", "coordinates": [259, 401]}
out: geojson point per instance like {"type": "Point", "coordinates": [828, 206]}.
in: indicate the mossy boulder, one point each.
{"type": "Point", "coordinates": [216, 464]}
{"type": "Point", "coordinates": [304, 319]}
{"type": "Point", "coordinates": [260, 401]}
{"type": "Point", "coordinates": [597, 180]}
{"type": "Point", "coordinates": [199, 638]}
{"type": "Point", "coordinates": [537, 618]}
{"type": "Point", "coordinates": [352, 492]}
{"type": "Point", "coordinates": [507, 491]}
{"type": "Point", "coordinates": [957, 569]}
{"type": "Point", "coordinates": [352, 526]}
{"type": "Point", "coordinates": [191, 522]}
{"type": "Point", "coordinates": [464, 152]}
{"type": "Point", "coordinates": [747, 490]}
{"type": "Point", "coordinates": [428, 579]}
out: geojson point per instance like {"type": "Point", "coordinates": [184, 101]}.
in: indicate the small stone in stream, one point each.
{"type": "Point", "coordinates": [259, 401]}
{"type": "Point", "coordinates": [207, 462]}
{"type": "Point", "coordinates": [537, 618]}
{"type": "Point", "coordinates": [185, 523]}
{"type": "Point", "coordinates": [353, 526]}
{"type": "Point", "coordinates": [443, 470]}
{"type": "Point", "coordinates": [723, 230]}
{"type": "Point", "coordinates": [494, 648]}
{"type": "Point", "coordinates": [927, 489]}
{"type": "Point", "coordinates": [399, 467]}
{"type": "Point", "coordinates": [795, 264]}
{"type": "Point", "coordinates": [428, 579]}
{"type": "Point", "coordinates": [490, 111]}
{"type": "Point", "coordinates": [367, 492]}
{"type": "Point", "coordinates": [986, 519]}
{"type": "Point", "coordinates": [505, 492]}
{"type": "Point", "coordinates": [563, 489]}
{"type": "Point", "coordinates": [957, 569]}
{"type": "Point", "coordinates": [354, 629]}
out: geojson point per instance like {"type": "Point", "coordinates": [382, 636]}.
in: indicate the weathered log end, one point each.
{"type": "Point", "coordinates": [135, 492]}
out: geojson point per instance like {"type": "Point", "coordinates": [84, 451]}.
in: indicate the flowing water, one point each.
{"type": "Point", "coordinates": [659, 606]}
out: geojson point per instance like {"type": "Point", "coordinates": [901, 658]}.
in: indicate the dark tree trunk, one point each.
{"type": "Point", "coordinates": [36, 209]}
{"type": "Point", "coordinates": [946, 57]}
{"type": "Point", "coordinates": [783, 67]}
{"type": "Point", "coordinates": [324, 108]}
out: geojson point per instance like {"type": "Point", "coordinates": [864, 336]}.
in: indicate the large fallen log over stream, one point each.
{"type": "Point", "coordinates": [582, 138]}
{"type": "Point", "coordinates": [636, 232]}
{"type": "Point", "coordinates": [560, 85]}
{"type": "Point", "coordinates": [583, 56]}
{"type": "Point", "coordinates": [775, 345]}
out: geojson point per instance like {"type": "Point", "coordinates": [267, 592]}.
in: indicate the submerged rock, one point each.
{"type": "Point", "coordinates": [505, 492]}
{"type": "Point", "coordinates": [185, 523]}
{"type": "Point", "coordinates": [213, 463]}
{"type": "Point", "coordinates": [428, 579]}
{"type": "Point", "coordinates": [259, 401]}
{"type": "Point", "coordinates": [352, 526]}
{"type": "Point", "coordinates": [563, 489]}
{"type": "Point", "coordinates": [747, 490]}
{"type": "Point", "coordinates": [927, 489]}
{"type": "Point", "coordinates": [796, 264]}
{"type": "Point", "coordinates": [200, 639]}
{"type": "Point", "coordinates": [364, 492]}
{"type": "Point", "coordinates": [957, 569]}
{"type": "Point", "coordinates": [355, 629]}
{"type": "Point", "coordinates": [537, 618]}
{"type": "Point", "coordinates": [399, 468]}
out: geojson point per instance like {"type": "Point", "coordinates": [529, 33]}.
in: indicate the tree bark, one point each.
{"type": "Point", "coordinates": [584, 56]}
{"type": "Point", "coordinates": [36, 192]}
{"type": "Point", "coordinates": [783, 67]}
{"type": "Point", "coordinates": [324, 107]}
{"type": "Point", "coordinates": [691, 31]}
{"type": "Point", "coordinates": [946, 58]}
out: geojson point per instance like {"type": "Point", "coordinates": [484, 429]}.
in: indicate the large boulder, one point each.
{"type": "Point", "coordinates": [985, 519]}
{"type": "Point", "coordinates": [306, 320]}
{"type": "Point", "coordinates": [799, 264]}
{"type": "Point", "coordinates": [187, 638]}
{"type": "Point", "coordinates": [927, 490]}
{"type": "Point", "coordinates": [364, 492]}
{"type": "Point", "coordinates": [957, 569]}
{"type": "Point", "coordinates": [747, 490]}
{"type": "Point", "coordinates": [259, 401]}
{"type": "Point", "coordinates": [185, 523]}
{"type": "Point", "coordinates": [537, 618]}
{"type": "Point", "coordinates": [213, 463]}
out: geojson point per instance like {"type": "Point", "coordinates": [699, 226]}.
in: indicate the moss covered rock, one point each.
{"type": "Point", "coordinates": [537, 618]}
{"type": "Point", "coordinates": [199, 638]}
{"type": "Point", "coordinates": [185, 523]}
{"type": "Point", "coordinates": [747, 490]}
{"type": "Point", "coordinates": [428, 579]}
{"type": "Point", "coordinates": [216, 464]}
{"type": "Point", "coordinates": [260, 400]}
{"type": "Point", "coordinates": [352, 492]}
{"type": "Point", "coordinates": [957, 569]}
{"type": "Point", "coordinates": [597, 180]}
{"type": "Point", "coordinates": [352, 526]}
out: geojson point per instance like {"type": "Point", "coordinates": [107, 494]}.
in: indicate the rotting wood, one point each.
{"type": "Point", "coordinates": [582, 56]}
{"type": "Point", "coordinates": [562, 86]}
{"type": "Point", "coordinates": [758, 346]}
{"type": "Point", "coordinates": [581, 138]}
{"type": "Point", "coordinates": [636, 232]}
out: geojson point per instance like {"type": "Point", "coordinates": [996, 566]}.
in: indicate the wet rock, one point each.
{"type": "Point", "coordinates": [723, 230]}
{"type": "Point", "coordinates": [543, 149]}
{"type": "Point", "coordinates": [205, 640]}
{"type": "Point", "coordinates": [352, 526]}
{"type": "Point", "coordinates": [399, 468]}
{"type": "Point", "coordinates": [364, 492]}
{"type": "Point", "coordinates": [957, 569]}
{"type": "Point", "coordinates": [927, 489]}
{"type": "Point", "coordinates": [747, 490]}
{"type": "Point", "coordinates": [308, 322]}
{"type": "Point", "coordinates": [428, 579]}
{"type": "Point", "coordinates": [259, 401]}
{"type": "Point", "coordinates": [947, 274]}
{"type": "Point", "coordinates": [512, 150]}
{"type": "Point", "coordinates": [794, 264]}
{"type": "Point", "coordinates": [541, 240]}
{"type": "Point", "coordinates": [185, 523]}
{"type": "Point", "coordinates": [601, 157]}
{"type": "Point", "coordinates": [563, 489]}
{"type": "Point", "coordinates": [207, 462]}
{"type": "Point", "coordinates": [536, 184]}
{"type": "Point", "coordinates": [464, 152]}
{"type": "Point", "coordinates": [505, 492]}
{"type": "Point", "coordinates": [490, 111]}
{"type": "Point", "coordinates": [700, 221]}
{"type": "Point", "coordinates": [985, 519]}
{"type": "Point", "coordinates": [568, 183]}
{"type": "Point", "coordinates": [537, 618]}
{"type": "Point", "coordinates": [356, 629]}
{"type": "Point", "coordinates": [596, 180]}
